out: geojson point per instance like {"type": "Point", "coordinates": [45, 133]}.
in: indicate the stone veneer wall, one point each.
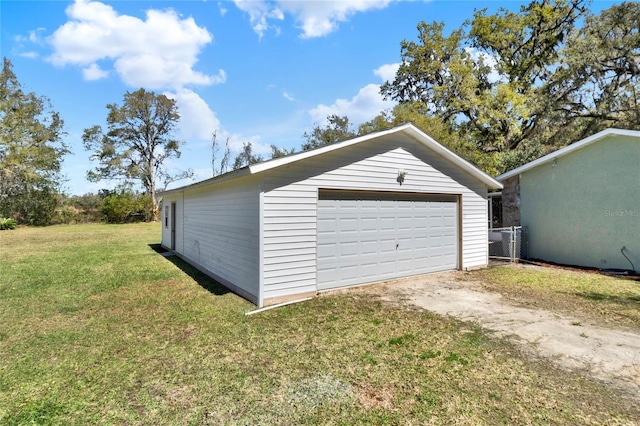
{"type": "Point", "coordinates": [511, 202]}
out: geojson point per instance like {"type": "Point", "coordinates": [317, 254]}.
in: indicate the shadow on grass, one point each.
{"type": "Point", "coordinates": [203, 280]}
{"type": "Point", "coordinates": [628, 300]}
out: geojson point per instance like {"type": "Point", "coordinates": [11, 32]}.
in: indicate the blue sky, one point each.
{"type": "Point", "coordinates": [259, 71]}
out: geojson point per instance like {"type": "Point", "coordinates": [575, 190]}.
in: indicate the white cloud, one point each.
{"type": "Point", "coordinates": [360, 108]}
{"type": "Point", "coordinates": [34, 36]}
{"type": "Point", "coordinates": [319, 18]}
{"type": "Point", "coordinates": [197, 120]}
{"type": "Point", "coordinates": [223, 10]}
{"type": "Point", "coordinates": [94, 72]}
{"type": "Point", "coordinates": [260, 11]}
{"type": "Point", "coordinates": [236, 141]}
{"type": "Point", "coordinates": [25, 44]}
{"type": "Point", "coordinates": [158, 52]}
{"type": "Point", "coordinates": [364, 106]}
{"type": "Point", "coordinates": [387, 72]}
{"type": "Point", "coordinates": [288, 96]}
{"type": "Point", "coordinates": [30, 54]}
{"type": "Point", "coordinates": [314, 18]}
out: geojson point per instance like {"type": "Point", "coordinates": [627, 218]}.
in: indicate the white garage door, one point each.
{"type": "Point", "coordinates": [372, 236]}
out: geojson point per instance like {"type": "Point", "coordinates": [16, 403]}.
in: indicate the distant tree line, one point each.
{"type": "Point", "coordinates": [501, 90]}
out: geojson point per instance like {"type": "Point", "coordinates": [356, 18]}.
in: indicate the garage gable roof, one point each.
{"type": "Point", "coordinates": [568, 149]}
{"type": "Point", "coordinates": [407, 129]}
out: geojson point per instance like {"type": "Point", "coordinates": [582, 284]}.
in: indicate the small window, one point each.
{"type": "Point", "coordinates": [166, 216]}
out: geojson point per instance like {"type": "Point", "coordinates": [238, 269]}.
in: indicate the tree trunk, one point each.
{"type": "Point", "coordinates": [152, 187]}
{"type": "Point", "coordinates": [155, 205]}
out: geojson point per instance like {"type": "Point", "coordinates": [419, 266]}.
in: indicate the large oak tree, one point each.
{"type": "Point", "coordinates": [138, 141]}
{"type": "Point", "coordinates": [519, 84]}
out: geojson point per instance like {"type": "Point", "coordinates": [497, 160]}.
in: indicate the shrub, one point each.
{"type": "Point", "coordinates": [34, 207]}
{"type": "Point", "coordinates": [82, 208]}
{"type": "Point", "coordinates": [125, 206]}
{"type": "Point", "coordinates": [7, 223]}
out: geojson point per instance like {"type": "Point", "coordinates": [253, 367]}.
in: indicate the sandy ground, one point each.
{"type": "Point", "coordinates": [611, 356]}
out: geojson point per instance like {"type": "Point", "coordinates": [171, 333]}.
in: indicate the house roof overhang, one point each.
{"type": "Point", "coordinates": [567, 150]}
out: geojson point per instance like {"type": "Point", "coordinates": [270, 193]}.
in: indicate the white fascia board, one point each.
{"type": "Point", "coordinates": [277, 162]}
{"type": "Point", "coordinates": [567, 149]}
{"type": "Point", "coordinates": [267, 165]}
{"type": "Point", "coordinates": [408, 129]}
{"type": "Point", "coordinates": [216, 179]}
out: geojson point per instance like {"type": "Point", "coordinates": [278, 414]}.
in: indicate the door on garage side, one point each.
{"type": "Point", "coordinates": [366, 236]}
{"type": "Point", "coordinates": [173, 226]}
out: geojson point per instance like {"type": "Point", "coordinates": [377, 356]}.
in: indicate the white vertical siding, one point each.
{"type": "Point", "coordinates": [221, 233]}
{"type": "Point", "coordinates": [291, 195]}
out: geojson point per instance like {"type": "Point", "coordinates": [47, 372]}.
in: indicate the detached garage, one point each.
{"type": "Point", "coordinates": [378, 207]}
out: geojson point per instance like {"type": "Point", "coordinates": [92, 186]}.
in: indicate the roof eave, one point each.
{"type": "Point", "coordinates": [420, 136]}
{"type": "Point", "coordinates": [408, 129]}
{"type": "Point", "coordinates": [568, 149]}
{"type": "Point", "coordinates": [245, 171]}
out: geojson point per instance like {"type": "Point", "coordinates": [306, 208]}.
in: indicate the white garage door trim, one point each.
{"type": "Point", "coordinates": [370, 236]}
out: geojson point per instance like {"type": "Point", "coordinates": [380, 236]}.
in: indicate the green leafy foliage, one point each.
{"type": "Point", "coordinates": [277, 152]}
{"type": "Point", "coordinates": [138, 141]}
{"type": "Point", "coordinates": [416, 114]}
{"type": "Point", "coordinates": [337, 129]}
{"type": "Point", "coordinates": [82, 208]}
{"type": "Point", "coordinates": [515, 85]}
{"type": "Point", "coordinates": [31, 152]}
{"type": "Point", "coordinates": [246, 157]}
{"type": "Point", "coordinates": [124, 206]}
{"type": "Point", "coordinates": [7, 223]}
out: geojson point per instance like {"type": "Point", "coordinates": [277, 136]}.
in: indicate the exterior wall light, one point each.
{"type": "Point", "coordinates": [401, 175]}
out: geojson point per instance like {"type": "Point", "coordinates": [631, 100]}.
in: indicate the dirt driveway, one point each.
{"type": "Point", "coordinates": [612, 356]}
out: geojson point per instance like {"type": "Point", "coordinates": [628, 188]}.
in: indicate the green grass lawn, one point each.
{"type": "Point", "coordinates": [97, 328]}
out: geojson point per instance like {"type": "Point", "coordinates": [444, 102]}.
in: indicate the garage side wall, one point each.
{"type": "Point", "coordinates": [291, 197]}
{"type": "Point", "coordinates": [221, 233]}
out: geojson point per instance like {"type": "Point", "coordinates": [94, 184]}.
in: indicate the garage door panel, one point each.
{"type": "Point", "coordinates": [371, 236]}
{"type": "Point", "coordinates": [421, 242]}
{"type": "Point", "coordinates": [325, 252]}
{"type": "Point", "coordinates": [388, 267]}
{"type": "Point", "coordinates": [369, 247]}
{"type": "Point", "coordinates": [327, 225]}
{"type": "Point", "coordinates": [369, 224]}
{"type": "Point", "coordinates": [406, 223]}
{"type": "Point", "coordinates": [387, 224]}
{"type": "Point", "coordinates": [370, 270]}
{"type": "Point", "coordinates": [348, 247]}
